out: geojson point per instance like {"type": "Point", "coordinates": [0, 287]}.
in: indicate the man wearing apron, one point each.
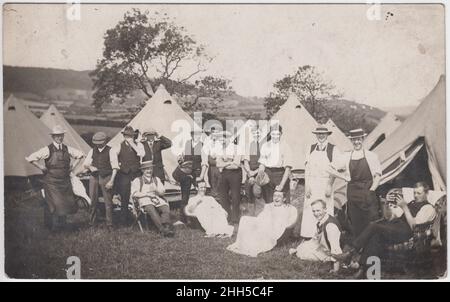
{"type": "Point", "coordinates": [275, 160]}
{"type": "Point", "coordinates": [59, 196]}
{"type": "Point", "coordinates": [365, 173]}
{"type": "Point", "coordinates": [318, 180]}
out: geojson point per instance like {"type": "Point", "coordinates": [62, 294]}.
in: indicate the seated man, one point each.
{"type": "Point", "coordinates": [397, 229]}
{"type": "Point", "coordinates": [326, 241]}
{"type": "Point", "coordinates": [210, 214]}
{"type": "Point", "coordinates": [260, 234]}
{"type": "Point", "coordinates": [148, 191]}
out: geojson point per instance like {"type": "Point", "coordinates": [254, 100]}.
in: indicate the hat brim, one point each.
{"type": "Point", "coordinates": [357, 136]}
{"type": "Point", "coordinates": [322, 132]}
{"type": "Point", "coordinates": [57, 133]}
{"type": "Point", "coordinates": [99, 142]}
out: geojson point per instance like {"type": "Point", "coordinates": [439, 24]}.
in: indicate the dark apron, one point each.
{"type": "Point", "coordinates": [57, 186]}
{"type": "Point", "coordinates": [360, 183]}
{"type": "Point", "coordinates": [361, 207]}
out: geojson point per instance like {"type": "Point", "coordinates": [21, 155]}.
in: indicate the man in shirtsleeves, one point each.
{"type": "Point", "coordinates": [103, 164]}
{"type": "Point", "coordinates": [210, 150]}
{"type": "Point", "coordinates": [154, 144]}
{"type": "Point", "coordinates": [60, 160]}
{"type": "Point", "coordinates": [229, 163]}
{"type": "Point", "coordinates": [276, 161]}
{"type": "Point", "coordinates": [129, 154]}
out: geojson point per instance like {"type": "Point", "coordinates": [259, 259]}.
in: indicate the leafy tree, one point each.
{"type": "Point", "coordinates": [309, 86]}
{"type": "Point", "coordinates": [140, 49]}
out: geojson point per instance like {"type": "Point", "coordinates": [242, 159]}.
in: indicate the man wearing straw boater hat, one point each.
{"type": "Point", "coordinates": [129, 154]}
{"type": "Point", "coordinates": [318, 180]}
{"type": "Point", "coordinates": [59, 161]}
{"type": "Point", "coordinates": [148, 192]}
{"type": "Point", "coordinates": [102, 162]}
{"type": "Point", "coordinates": [154, 144]}
{"type": "Point", "coordinates": [365, 172]}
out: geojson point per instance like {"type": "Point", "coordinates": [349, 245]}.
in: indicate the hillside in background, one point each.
{"type": "Point", "coordinates": [71, 91]}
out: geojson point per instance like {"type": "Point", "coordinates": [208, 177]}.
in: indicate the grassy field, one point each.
{"type": "Point", "coordinates": [34, 252]}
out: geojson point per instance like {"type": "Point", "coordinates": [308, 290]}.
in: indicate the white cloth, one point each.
{"type": "Point", "coordinates": [211, 148]}
{"type": "Point", "coordinates": [156, 188]}
{"type": "Point", "coordinates": [317, 249]}
{"type": "Point", "coordinates": [112, 158]}
{"type": "Point", "coordinates": [44, 153]}
{"type": "Point", "coordinates": [79, 189]}
{"type": "Point", "coordinates": [260, 234]}
{"type": "Point", "coordinates": [317, 179]}
{"type": "Point", "coordinates": [210, 214]}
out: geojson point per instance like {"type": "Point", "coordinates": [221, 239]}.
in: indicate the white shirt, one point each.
{"type": "Point", "coordinates": [228, 155]}
{"type": "Point", "coordinates": [211, 148]}
{"type": "Point", "coordinates": [156, 187]}
{"type": "Point", "coordinates": [276, 155]}
{"type": "Point", "coordinates": [112, 158]}
{"type": "Point", "coordinates": [334, 236]}
{"type": "Point", "coordinates": [371, 157]}
{"type": "Point", "coordinates": [44, 153]}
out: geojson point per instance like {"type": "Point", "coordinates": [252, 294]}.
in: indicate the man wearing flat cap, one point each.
{"type": "Point", "coordinates": [102, 162]}
{"type": "Point", "coordinates": [320, 157]}
{"type": "Point", "coordinates": [129, 154]}
{"type": "Point", "coordinates": [153, 145]}
{"type": "Point", "coordinates": [59, 162]}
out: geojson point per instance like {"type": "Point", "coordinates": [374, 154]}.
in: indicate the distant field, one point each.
{"type": "Point", "coordinates": [83, 129]}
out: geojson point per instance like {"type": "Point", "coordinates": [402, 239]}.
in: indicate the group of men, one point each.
{"type": "Point", "coordinates": [135, 171]}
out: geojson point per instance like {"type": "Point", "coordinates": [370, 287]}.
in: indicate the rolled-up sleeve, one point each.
{"type": "Point", "coordinates": [135, 187]}
{"type": "Point", "coordinates": [334, 236]}
{"type": "Point", "coordinates": [140, 150]}
{"type": "Point", "coordinates": [288, 156]}
{"type": "Point", "coordinates": [426, 214]}
{"type": "Point", "coordinates": [374, 163]}
{"type": "Point", "coordinates": [264, 155]}
{"type": "Point", "coordinates": [42, 153]}
{"type": "Point", "coordinates": [114, 158]}
{"type": "Point", "coordinates": [75, 153]}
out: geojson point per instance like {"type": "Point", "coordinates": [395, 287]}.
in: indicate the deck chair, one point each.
{"type": "Point", "coordinates": [415, 253]}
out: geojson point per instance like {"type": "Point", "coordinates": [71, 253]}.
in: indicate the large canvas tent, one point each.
{"type": "Point", "coordinates": [163, 114]}
{"type": "Point", "coordinates": [23, 134]}
{"type": "Point", "coordinates": [298, 125]}
{"type": "Point", "coordinates": [53, 117]}
{"type": "Point", "coordinates": [423, 133]}
{"type": "Point", "coordinates": [387, 125]}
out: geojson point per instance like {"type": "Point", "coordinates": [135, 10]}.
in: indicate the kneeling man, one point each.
{"type": "Point", "coordinates": [210, 214]}
{"type": "Point", "coordinates": [148, 191]}
{"type": "Point", "coordinates": [326, 241]}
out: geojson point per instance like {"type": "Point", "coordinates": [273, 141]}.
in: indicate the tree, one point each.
{"type": "Point", "coordinates": [309, 86]}
{"type": "Point", "coordinates": [138, 51]}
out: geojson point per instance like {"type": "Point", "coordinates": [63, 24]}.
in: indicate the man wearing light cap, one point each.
{"type": "Point", "coordinates": [60, 161]}
{"type": "Point", "coordinates": [153, 145]}
{"type": "Point", "coordinates": [102, 162]}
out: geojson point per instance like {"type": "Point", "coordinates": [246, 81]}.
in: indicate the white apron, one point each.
{"type": "Point", "coordinates": [317, 179]}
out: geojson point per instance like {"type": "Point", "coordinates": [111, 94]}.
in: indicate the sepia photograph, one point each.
{"type": "Point", "coordinates": [224, 141]}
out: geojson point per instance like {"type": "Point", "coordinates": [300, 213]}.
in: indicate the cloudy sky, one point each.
{"type": "Point", "coordinates": [393, 61]}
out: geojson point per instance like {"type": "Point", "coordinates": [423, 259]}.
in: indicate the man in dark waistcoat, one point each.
{"type": "Point", "coordinates": [60, 160]}
{"type": "Point", "coordinates": [102, 162]}
{"type": "Point", "coordinates": [398, 229]}
{"type": "Point", "coordinates": [189, 169]}
{"type": "Point", "coordinates": [129, 154]}
{"type": "Point", "coordinates": [153, 145]}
